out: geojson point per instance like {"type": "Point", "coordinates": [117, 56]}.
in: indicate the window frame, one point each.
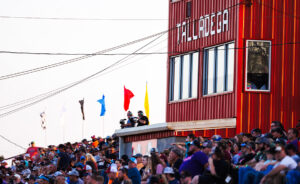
{"type": "Point", "coordinates": [270, 68]}
{"type": "Point", "coordinates": [172, 81]}
{"type": "Point", "coordinates": [205, 68]}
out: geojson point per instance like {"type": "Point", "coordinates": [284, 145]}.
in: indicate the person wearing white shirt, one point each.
{"type": "Point", "coordinates": [285, 163]}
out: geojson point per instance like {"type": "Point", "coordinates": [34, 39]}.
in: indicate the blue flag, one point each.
{"type": "Point", "coordinates": [102, 102]}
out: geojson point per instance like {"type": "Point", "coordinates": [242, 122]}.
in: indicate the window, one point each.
{"type": "Point", "coordinates": [188, 9]}
{"type": "Point", "coordinates": [184, 77]}
{"type": "Point", "coordinates": [258, 65]}
{"type": "Point", "coordinates": [218, 69]}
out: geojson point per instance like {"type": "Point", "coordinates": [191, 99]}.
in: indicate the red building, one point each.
{"type": "Point", "coordinates": [246, 53]}
{"type": "Point", "coordinates": [232, 66]}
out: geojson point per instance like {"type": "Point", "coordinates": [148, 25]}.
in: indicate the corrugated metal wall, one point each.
{"type": "Point", "coordinates": [277, 21]}
{"type": "Point", "coordinates": [209, 107]}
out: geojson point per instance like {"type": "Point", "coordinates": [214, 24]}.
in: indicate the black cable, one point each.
{"type": "Point", "coordinates": [26, 72]}
{"type": "Point", "coordinates": [52, 91]}
{"type": "Point", "coordinates": [80, 19]}
{"type": "Point", "coordinates": [17, 145]}
{"type": "Point", "coordinates": [74, 84]}
{"type": "Point", "coordinates": [80, 54]}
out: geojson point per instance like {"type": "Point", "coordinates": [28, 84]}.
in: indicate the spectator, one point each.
{"type": "Point", "coordinates": [175, 161]}
{"type": "Point", "coordinates": [74, 177]}
{"type": "Point", "coordinates": [218, 167]}
{"type": "Point", "coordinates": [133, 172]}
{"type": "Point", "coordinates": [170, 175]}
{"type": "Point", "coordinates": [156, 164]}
{"type": "Point", "coordinates": [207, 147]}
{"type": "Point", "coordinates": [95, 179]}
{"type": "Point", "coordinates": [146, 170]}
{"type": "Point", "coordinates": [123, 176]}
{"type": "Point", "coordinates": [291, 151]}
{"type": "Point", "coordinates": [32, 150]}
{"type": "Point", "coordinates": [285, 163]}
{"type": "Point", "coordinates": [63, 162]}
{"type": "Point", "coordinates": [278, 133]}
{"type": "Point", "coordinates": [197, 162]}
{"type": "Point", "coordinates": [292, 136]}
{"type": "Point", "coordinates": [189, 139]}
{"type": "Point", "coordinates": [256, 132]}
{"type": "Point", "coordinates": [139, 159]}
{"type": "Point", "coordinates": [185, 177]}
{"type": "Point", "coordinates": [142, 119]}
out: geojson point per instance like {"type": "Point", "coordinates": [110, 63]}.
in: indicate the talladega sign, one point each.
{"type": "Point", "coordinates": [208, 25]}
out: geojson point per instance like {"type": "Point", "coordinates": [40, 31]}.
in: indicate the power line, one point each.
{"type": "Point", "coordinates": [81, 19]}
{"type": "Point", "coordinates": [112, 54]}
{"type": "Point", "coordinates": [80, 54]}
{"type": "Point", "coordinates": [17, 145]}
{"type": "Point", "coordinates": [26, 72]}
{"type": "Point", "coordinates": [74, 84]}
{"type": "Point", "coordinates": [52, 91]}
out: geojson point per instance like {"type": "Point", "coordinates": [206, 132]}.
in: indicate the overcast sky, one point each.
{"type": "Point", "coordinates": [79, 36]}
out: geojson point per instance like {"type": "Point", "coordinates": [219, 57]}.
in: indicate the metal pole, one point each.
{"type": "Point", "coordinates": [82, 129]}
{"type": "Point", "coordinates": [103, 127]}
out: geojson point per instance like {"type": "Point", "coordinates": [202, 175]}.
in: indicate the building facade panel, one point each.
{"type": "Point", "coordinates": [280, 25]}
{"type": "Point", "coordinates": [186, 35]}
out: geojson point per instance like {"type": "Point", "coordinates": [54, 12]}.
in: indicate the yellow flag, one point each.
{"type": "Point", "coordinates": [146, 104]}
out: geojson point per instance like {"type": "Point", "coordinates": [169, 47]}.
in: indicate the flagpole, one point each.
{"type": "Point", "coordinates": [103, 126]}
{"type": "Point", "coordinates": [45, 137]}
{"type": "Point", "coordinates": [82, 129]}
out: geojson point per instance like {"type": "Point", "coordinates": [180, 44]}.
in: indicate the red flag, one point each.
{"type": "Point", "coordinates": [127, 96]}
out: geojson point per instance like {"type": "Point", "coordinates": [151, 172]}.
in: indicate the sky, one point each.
{"type": "Point", "coordinates": [115, 23]}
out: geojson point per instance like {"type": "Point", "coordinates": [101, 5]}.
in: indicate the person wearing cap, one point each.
{"type": "Point", "coordinates": [197, 162]}
{"type": "Point", "coordinates": [139, 159]}
{"type": "Point", "coordinates": [59, 178]}
{"type": "Point", "coordinates": [142, 119]}
{"type": "Point", "coordinates": [17, 179]}
{"type": "Point", "coordinates": [285, 163]}
{"type": "Point", "coordinates": [170, 175]}
{"type": "Point", "coordinates": [133, 172]}
{"type": "Point", "coordinates": [207, 147]}
{"type": "Point", "coordinates": [256, 132]}
{"type": "Point", "coordinates": [32, 150]}
{"type": "Point", "coordinates": [112, 174]}
{"type": "Point", "coordinates": [175, 160]}
{"type": "Point", "coordinates": [247, 153]}
{"type": "Point", "coordinates": [131, 121]}
{"type": "Point", "coordinates": [74, 177]}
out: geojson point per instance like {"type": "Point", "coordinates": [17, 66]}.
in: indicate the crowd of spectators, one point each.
{"type": "Point", "coordinates": [246, 158]}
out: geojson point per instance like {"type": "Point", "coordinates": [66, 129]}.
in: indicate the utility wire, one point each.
{"type": "Point", "coordinates": [119, 54]}
{"type": "Point", "coordinates": [26, 72]}
{"type": "Point", "coordinates": [52, 91]}
{"type": "Point", "coordinates": [74, 84]}
{"type": "Point", "coordinates": [17, 145]}
{"type": "Point", "coordinates": [80, 54]}
{"type": "Point", "coordinates": [81, 19]}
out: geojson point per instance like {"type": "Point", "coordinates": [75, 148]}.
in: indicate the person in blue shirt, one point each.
{"type": "Point", "coordinates": [133, 172]}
